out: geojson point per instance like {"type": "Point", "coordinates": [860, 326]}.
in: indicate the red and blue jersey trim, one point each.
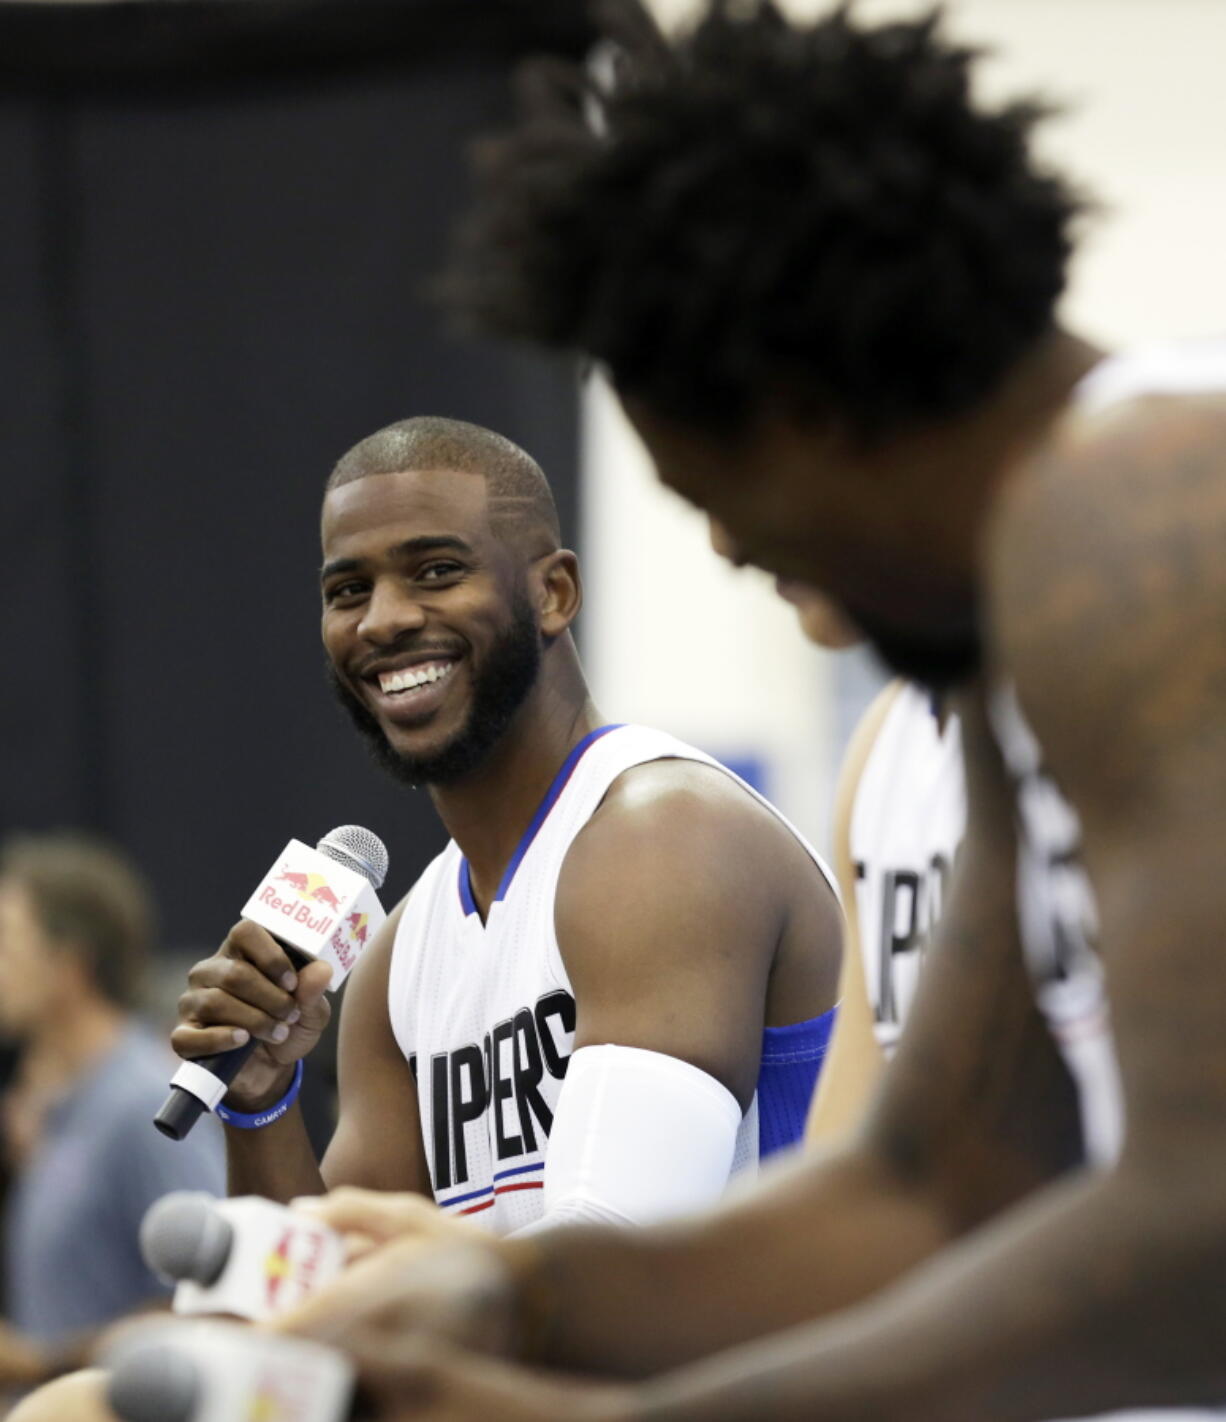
{"type": "Point", "coordinates": [484, 1199]}
{"type": "Point", "coordinates": [552, 795]}
{"type": "Point", "coordinates": [792, 1059]}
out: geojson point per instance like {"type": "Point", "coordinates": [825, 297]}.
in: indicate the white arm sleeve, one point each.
{"type": "Point", "coordinates": [637, 1136]}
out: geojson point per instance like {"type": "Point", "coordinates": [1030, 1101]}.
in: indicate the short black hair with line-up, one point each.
{"type": "Point", "coordinates": [758, 213]}
{"type": "Point", "coordinates": [521, 502]}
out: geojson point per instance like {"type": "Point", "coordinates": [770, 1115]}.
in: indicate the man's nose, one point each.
{"type": "Point", "coordinates": [392, 610]}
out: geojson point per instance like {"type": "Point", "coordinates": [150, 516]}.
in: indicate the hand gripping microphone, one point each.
{"type": "Point", "coordinates": [221, 1372]}
{"type": "Point", "coordinates": [319, 904]}
{"type": "Point", "coordinates": [246, 1256]}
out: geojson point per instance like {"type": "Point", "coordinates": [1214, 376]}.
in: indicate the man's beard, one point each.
{"type": "Point", "coordinates": [939, 661]}
{"type": "Point", "coordinates": [500, 685]}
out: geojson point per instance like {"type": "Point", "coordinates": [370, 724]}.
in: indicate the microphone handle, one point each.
{"type": "Point", "coordinates": [181, 1109]}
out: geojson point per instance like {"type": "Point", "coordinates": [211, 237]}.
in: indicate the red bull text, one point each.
{"type": "Point", "coordinates": [297, 911]}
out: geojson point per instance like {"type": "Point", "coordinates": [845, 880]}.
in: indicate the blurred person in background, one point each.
{"type": "Point", "coordinates": [76, 929]}
{"type": "Point", "coordinates": [899, 817]}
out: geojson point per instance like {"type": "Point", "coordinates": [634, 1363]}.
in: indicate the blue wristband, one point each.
{"type": "Point", "coordinates": [269, 1114]}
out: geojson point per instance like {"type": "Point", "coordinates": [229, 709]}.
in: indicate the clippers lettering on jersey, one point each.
{"type": "Point", "coordinates": [910, 906]}
{"type": "Point", "coordinates": [494, 1087]}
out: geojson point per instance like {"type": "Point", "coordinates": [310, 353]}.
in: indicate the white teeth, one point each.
{"type": "Point", "coordinates": [412, 677]}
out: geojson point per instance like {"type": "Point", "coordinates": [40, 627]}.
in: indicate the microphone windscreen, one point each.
{"type": "Point", "coordinates": [357, 849]}
{"type": "Point", "coordinates": [184, 1236]}
{"type": "Point", "coordinates": [153, 1383]}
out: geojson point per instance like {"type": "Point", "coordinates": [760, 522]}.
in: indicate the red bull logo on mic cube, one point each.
{"type": "Point", "coordinates": [305, 1256]}
{"type": "Point", "coordinates": [277, 1399]}
{"type": "Point", "coordinates": [295, 1393]}
{"type": "Point", "coordinates": [319, 907]}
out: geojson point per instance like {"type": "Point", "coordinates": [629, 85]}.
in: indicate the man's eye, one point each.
{"type": "Point", "coordinates": [435, 572]}
{"type": "Point", "coordinates": [341, 592]}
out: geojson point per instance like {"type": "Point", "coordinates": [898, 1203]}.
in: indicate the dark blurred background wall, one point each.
{"type": "Point", "coordinates": [218, 222]}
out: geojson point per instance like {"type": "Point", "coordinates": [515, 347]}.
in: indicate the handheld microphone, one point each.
{"type": "Point", "coordinates": [245, 1256]}
{"type": "Point", "coordinates": [319, 904]}
{"type": "Point", "coordinates": [219, 1372]}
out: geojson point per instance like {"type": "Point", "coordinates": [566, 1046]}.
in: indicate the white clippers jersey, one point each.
{"type": "Point", "coordinates": [907, 820]}
{"type": "Point", "coordinates": [485, 1013]}
{"type": "Point", "coordinates": [1055, 899]}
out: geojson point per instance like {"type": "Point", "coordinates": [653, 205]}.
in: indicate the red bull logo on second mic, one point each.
{"type": "Point", "coordinates": [291, 1273]}
{"type": "Point", "coordinates": [278, 1398]}
{"type": "Point", "coordinates": [277, 1268]}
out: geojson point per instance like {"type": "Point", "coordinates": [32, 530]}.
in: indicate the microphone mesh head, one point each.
{"type": "Point", "coordinates": [184, 1237]}
{"type": "Point", "coordinates": [356, 848]}
{"type": "Point", "coordinates": [153, 1383]}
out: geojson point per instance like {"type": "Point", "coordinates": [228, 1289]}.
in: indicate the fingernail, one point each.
{"type": "Point", "coordinates": [240, 1036]}
{"type": "Point", "coordinates": [294, 1016]}
{"type": "Point", "coordinates": [289, 981]}
{"type": "Point", "coordinates": [279, 1032]}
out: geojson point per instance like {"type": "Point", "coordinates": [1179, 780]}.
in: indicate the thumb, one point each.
{"type": "Point", "coordinates": [313, 982]}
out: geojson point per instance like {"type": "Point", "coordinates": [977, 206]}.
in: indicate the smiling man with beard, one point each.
{"type": "Point", "coordinates": [613, 988]}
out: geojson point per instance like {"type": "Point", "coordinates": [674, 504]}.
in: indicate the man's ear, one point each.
{"type": "Point", "coordinates": [559, 591]}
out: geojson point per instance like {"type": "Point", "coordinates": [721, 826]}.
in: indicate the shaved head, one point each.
{"type": "Point", "coordinates": [521, 504]}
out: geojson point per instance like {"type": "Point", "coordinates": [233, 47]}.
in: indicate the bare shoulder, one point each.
{"type": "Point", "coordinates": [684, 833]}
{"type": "Point", "coordinates": [677, 791]}
{"type": "Point", "coordinates": [1107, 586]}
{"type": "Point", "coordinates": [666, 815]}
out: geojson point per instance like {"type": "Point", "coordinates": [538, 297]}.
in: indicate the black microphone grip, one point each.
{"type": "Point", "coordinates": [181, 1110]}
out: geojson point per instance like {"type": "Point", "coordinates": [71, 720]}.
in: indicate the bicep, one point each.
{"type": "Point", "coordinates": [667, 936]}
{"type": "Point", "coordinates": [378, 1142]}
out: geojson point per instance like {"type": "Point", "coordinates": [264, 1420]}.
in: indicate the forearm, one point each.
{"type": "Point", "coordinates": [815, 1238]}
{"type": "Point", "coordinates": [1096, 1296]}
{"type": "Point", "coordinates": [276, 1161]}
